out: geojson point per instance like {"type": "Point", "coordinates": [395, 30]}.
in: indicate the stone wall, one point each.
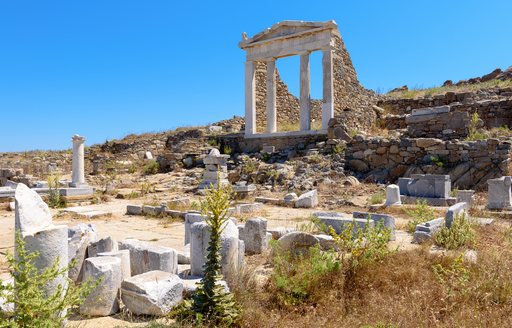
{"type": "Point", "coordinates": [351, 100]}
{"type": "Point", "coordinates": [238, 143]}
{"type": "Point", "coordinates": [492, 113]}
{"type": "Point", "coordinates": [470, 164]}
{"type": "Point", "coordinates": [404, 106]}
{"type": "Point", "coordinates": [437, 122]}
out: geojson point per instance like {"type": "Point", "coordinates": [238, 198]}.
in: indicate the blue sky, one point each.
{"type": "Point", "coordinates": [105, 69]}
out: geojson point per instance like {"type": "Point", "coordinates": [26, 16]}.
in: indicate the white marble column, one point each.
{"type": "Point", "coordinates": [78, 173]}
{"type": "Point", "coordinates": [328, 88]}
{"type": "Point", "coordinates": [250, 98]}
{"type": "Point", "coordinates": [271, 96]}
{"type": "Point", "coordinates": [305, 95]}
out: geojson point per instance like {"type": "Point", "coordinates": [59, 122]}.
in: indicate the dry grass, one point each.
{"type": "Point", "coordinates": [417, 93]}
{"type": "Point", "coordinates": [403, 291]}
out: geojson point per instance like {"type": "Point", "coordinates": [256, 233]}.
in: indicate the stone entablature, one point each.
{"type": "Point", "coordinates": [284, 39]}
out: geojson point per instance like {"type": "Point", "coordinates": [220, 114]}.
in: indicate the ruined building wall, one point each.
{"type": "Point", "coordinates": [348, 94]}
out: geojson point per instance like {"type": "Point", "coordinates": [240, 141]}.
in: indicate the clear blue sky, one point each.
{"type": "Point", "coordinates": [104, 69]}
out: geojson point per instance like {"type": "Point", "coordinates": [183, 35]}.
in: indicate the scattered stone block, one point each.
{"type": "Point", "coordinates": [297, 242]}
{"type": "Point", "coordinates": [255, 235]}
{"type": "Point", "coordinates": [326, 241]}
{"type": "Point", "coordinates": [177, 202]}
{"type": "Point", "coordinates": [152, 293]}
{"type": "Point", "coordinates": [191, 218]}
{"type": "Point", "coordinates": [290, 198]}
{"type": "Point", "coordinates": [466, 196]}
{"type": "Point", "coordinates": [387, 221]}
{"type": "Point", "coordinates": [184, 256]}
{"type": "Point", "coordinates": [279, 232]}
{"type": "Point", "coordinates": [393, 195]}
{"type": "Point", "coordinates": [268, 200]}
{"type": "Point", "coordinates": [103, 300]}
{"type": "Point", "coordinates": [32, 213]}
{"type": "Point", "coordinates": [124, 256]}
{"type": "Point", "coordinates": [459, 209]}
{"type": "Point", "coordinates": [307, 200]}
{"type": "Point", "coordinates": [199, 239]}
{"type": "Point", "coordinates": [500, 196]}
{"type": "Point", "coordinates": [426, 185]}
{"type": "Point", "coordinates": [106, 244]}
{"type": "Point", "coordinates": [248, 208]}
{"type": "Point", "coordinates": [190, 285]}
{"type": "Point", "coordinates": [425, 231]}
{"type": "Point", "coordinates": [145, 257]}
{"type": "Point", "coordinates": [243, 191]}
{"type": "Point", "coordinates": [134, 209]}
{"type": "Point", "coordinates": [339, 224]}
{"type": "Point", "coordinates": [79, 238]}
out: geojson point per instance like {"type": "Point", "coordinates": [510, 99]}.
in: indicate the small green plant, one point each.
{"type": "Point", "coordinates": [461, 233]}
{"type": "Point", "coordinates": [213, 142]}
{"type": "Point", "coordinates": [33, 306]}
{"type": "Point", "coordinates": [54, 199]}
{"type": "Point", "coordinates": [210, 303]}
{"type": "Point", "coordinates": [338, 149]}
{"type": "Point", "coordinates": [227, 150]}
{"type": "Point", "coordinates": [419, 214]}
{"type": "Point", "coordinates": [454, 192]}
{"type": "Point", "coordinates": [438, 161]}
{"type": "Point", "coordinates": [146, 188]}
{"type": "Point", "coordinates": [132, 169]}
{"type": "Point", "coordinates": [473, 133]}
{"type": "Point", "coordinates": [250, 166]}
{"type": "Point", "coordinates": [151, 167]}
{"type": "Point", "coordinates": [377, 198]}
{"type": "Point", "coordinates": [195, 206]}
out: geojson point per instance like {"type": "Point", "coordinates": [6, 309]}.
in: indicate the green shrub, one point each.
{"type": "Point", "coordinates": [461, 233]}
{"type": "Point", "coordinates": [473, 133]}
{"type": "Point", "coordinates": [296, 277]}
{"type": "Point", "coordinates": [151, 167]}
{"type": "Point", "coordinates": [210, 303]}
{"type": "Point", "coordinates": [227, 150]}
{"type": "Point", "coordinates": [358, 246]}
{"type": "Point", "coordinates": [33, 308]}
{"type": "Point", "coordinates": [453, 278]}
{"type": "Point", "coordinates": [438, 161]}
{"type": "Point", "coordinates": [377, 198]}
{"type": "Point", "coordinates": [422, 212]}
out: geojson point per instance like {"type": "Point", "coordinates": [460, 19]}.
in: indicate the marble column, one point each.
{"type": "Point", "coordinates": [250, 98]}
{"type": "Point", "coordinates": [328, 88]}
{"type": "Point", "coordinates": [271, 96]}
{"type": "Point", "coordinates": [78, 173]}
{"type": "Point", "coordinates": [305, 95]}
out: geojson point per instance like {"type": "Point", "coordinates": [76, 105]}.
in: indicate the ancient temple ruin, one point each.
{"type": "Point", "coordinates": [267, 99]}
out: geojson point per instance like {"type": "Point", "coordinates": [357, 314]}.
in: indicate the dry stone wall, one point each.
{"type": "Point", "coordinates": [404, 106]}
{"type": "Point", "coordinates": [470, 164]}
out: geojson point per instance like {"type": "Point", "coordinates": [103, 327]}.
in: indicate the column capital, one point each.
{"type": "Point", "coordinates": [78, 138]}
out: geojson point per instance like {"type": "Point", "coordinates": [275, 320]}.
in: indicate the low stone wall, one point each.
{"type": "Point", "coordinates": [238, 143]}
{"type": "Point", "coordinates": [437, 122]}
{"type": "Point", "coordinates": [404, 106]}
{"type": "Point", "coordinates": [469, 164]}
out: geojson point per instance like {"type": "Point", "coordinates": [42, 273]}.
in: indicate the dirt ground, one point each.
{"type": "Point", "coordinates": [162, 232]}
